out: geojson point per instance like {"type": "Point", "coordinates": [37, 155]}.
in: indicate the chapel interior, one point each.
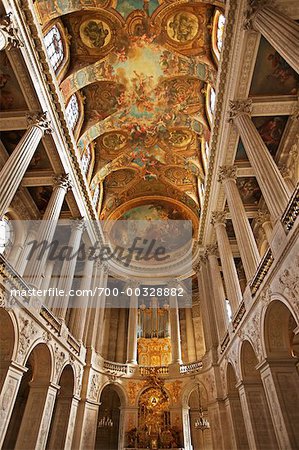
{"type": "Point", "coordinates": [130, 111]}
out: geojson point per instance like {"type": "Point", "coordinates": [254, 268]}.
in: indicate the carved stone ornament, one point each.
{"type": "Point", "coordinates": [59, 359]}
{"type": "Point", "coordinates": [227, 173]}
{"type": "Point", "coordinates": [218, 217]}
{"type": "Point", "coordinates": [212, 249]}
{"type": "Point", "coordinates": [289, 281]}
{"type": "Point", "coordinates": [254, 6]}
{"type": "Point", "coordinates": [27, 334]}
{"type": "Point", "coordinates": [238, 107]}
{"type": "Point", "coordinates": [63, 181]}
{"type": "Point", "coordinates": [41, 121]}
{"type": "Point", "coordinates": [94, 387]}
{"type": "Point", "coordinates": [10, 33]}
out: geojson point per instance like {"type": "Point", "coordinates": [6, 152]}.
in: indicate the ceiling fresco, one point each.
{"type": "Point", "coordinates": [143, 68]}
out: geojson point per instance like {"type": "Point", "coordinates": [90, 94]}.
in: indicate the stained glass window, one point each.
{"type": "Point", "coordinates": [85, 160]}
{"type": "Point", "coordinates": [220, 31]}
{"type": "Point", "coordinates": [212, 100]}
{"type": "Point", "coordinates": [96, 196]}
{"type": "Point", "coordinates": [72, 112]}
{"type": "Point", "coordinates": [54, 47]}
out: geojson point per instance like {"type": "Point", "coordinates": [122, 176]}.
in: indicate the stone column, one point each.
{"type": "Point", "coordinates": [63, 423]}
{"type": "Point", "coordinates": [121, 335]}
{"type": "Point", "coordinates": [8, 396]}
{"type": "Point", "coordinates": [36, 266]}
{"type": "Point", "coordinates": [280, 30]}
{"type": "Point", "coordinates": [263, 219]}
{"type": "Point", "coordinates": [15, 167]}
{"type": "Point", "coordinates": [22, 260]}
{"type": "Point", "coordinates": [175, 333]}
{"type": "Point", "coordinates": [227, 261]}
{"type": "Point", "coordinates": [68, 269]}
{"type": "Point", "coordinates": [271, 182]}
{"type": "Point", "coordinates": [244, 235]}
{"type": "Point", "coordinates": [190, 335]}
{"type": "Point", "coordinates": [36, 419]}
{"type": "Point", "coordinates": [219, 294]}
{"type": "Point", "coordinates": [78, 314]}
{"type": "Point", "coordinates": [132, 328]}
{"type": "Point", "coordinates": [280, 381]}
{"type": "Point", "coordinates": [206, 305]}
{"type": "Point", "coordinates": [8, 34]}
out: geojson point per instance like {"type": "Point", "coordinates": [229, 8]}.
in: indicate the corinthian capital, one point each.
{"type": "Point", "coordinates": [212, 249]}
{"type": "Point", "coordinates": [63, 181]}
{"type": "Point", "coordinates": [238, 107]}
{"type": "Point", "coordinates": [41, 121]}
{"type": "Point", "coordinates": [253, 8]}
{"type": "Point", "coordinates": [218, 217]}
{"type": "Point", "coordinates": [227, 173]}
{"type": "Point", "coordinates": [262, 217]}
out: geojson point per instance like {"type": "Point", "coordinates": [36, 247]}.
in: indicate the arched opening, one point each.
{"type": "Point", "coordinates": [62, 409]}
{"type": "Point", "coordinates": [107, 437]}
{"type": "Point", "coordinates": [235, 410]}
{"type": "Point", "coordinates": [260, 430]}
{"type": "Point", "coordinates": [7, 342]}
{"type": "Point", "coordinates": [201, 438]}
{"type": "Point", "coordinates": [281, 368]}
{"type": "Point", "coordinates": [27, 414]}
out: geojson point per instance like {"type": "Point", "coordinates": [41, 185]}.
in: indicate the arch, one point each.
{"type": "Point", "coordinates": [188, 390]}
{"type": "Point", "coordinates": [198, 408]}
{"type": "Point", "coordinates": [60, 422]}
{"type": "Point", "coordinates": [8, 342]}
{"type": "Point", "coordinates": [260, 429]}
{"type": "Point", "coordinates": [31, 400]}
{"type": "Point", "coordinates": [108, 434]}
{"type": "Point", "coordinates": [120, 391]}
{"type": "Point", "coordinates": [42, 352]}
{"type": "Point", "coordinates": [278, 327]}
{"type": "Point", "coordinates": [56, 38]}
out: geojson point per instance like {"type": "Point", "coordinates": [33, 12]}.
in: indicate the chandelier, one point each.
{"type": "Point", "coordinates": [105, 422]}
{"type": "Point", "coordinates": [201, 423]}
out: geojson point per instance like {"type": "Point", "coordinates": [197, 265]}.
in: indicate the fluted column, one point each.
{"type": "Point", "coordinates": [244, 235]}
{"type": "Point", "coordinates": [219, 294]}
{"type": "Point", "coordinates": [78, 314]}
{"type": "Point", "coordinates": [271, 182]}
{"type": "Point", "coordinates": [15, 167]}
{"type": "Point", "coordinates": [121, 335]}
{"type": "Point", "coordinates": [190, 335]}
{"type": "Point", "coordinates": [47, 228]}
{"type": "Point", "coordinates": [175, 333]}
{"type": "Point", "coordinates": [68, 269]}
{"type": "Point", "coordinates": [230, 275]}
{"type": "Point", "coordinates": [280, 30]}
{"type": "Point", "coordinates": [8, 34]}
{"type": "Point", "coordinates": [132, 328]}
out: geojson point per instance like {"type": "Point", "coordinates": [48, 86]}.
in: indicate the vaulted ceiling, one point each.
{"type": "Point", "coordinates": [144, 71]}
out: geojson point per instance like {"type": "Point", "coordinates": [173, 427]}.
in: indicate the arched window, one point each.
{"type": "Point", "coordinates": [207, 150]}
{"type": "Point", "coordinates": [85, 160]}
{"type": "Point", "coordinates": [218, 31]}
{"type": "Point", "coordinates": [210, 102]}
{"type": "Point", "coordinates": [72, 112]}
{"type": "Point", "coordinates": [96, 194]}
{"type": "Point", "coordinates": [54, 47]}
{"type": "Point", "coordinates": [6, 234]}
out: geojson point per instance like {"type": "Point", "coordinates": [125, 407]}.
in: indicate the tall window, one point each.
{"type": "Point", "coordinates": [6, 234]}
{"type": "Point", "coordinates": [96, 196]}
{"type": "Point", "coordinates": [85, 160]}
{"type": "Point", "coordinates": [54, 47]}
{"type": "Point", "coordinates": [220, 31]}
{"type": "Point", "coordinates": [72, 112]}
{"type": "Point", "coordinates": [212, 100]}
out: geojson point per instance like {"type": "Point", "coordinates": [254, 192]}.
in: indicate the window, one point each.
{"type": "Point", "coordinates": [96, 196]}
{"type": "Point", "coordinates": [220, 31]}
{"type": "Point", "coordinates": [6, 234]}
{"type": "Point", "coordinates": [212, 100]}
{"type": "Point", "coordinates": [72, 112]}
{"type": "Point", "coordinates": [85, 160]}
{"type": "Point", "coordinates": [207, 147]}
{"type": "Point", "coordinates": [229, 310]}
{"type": "Point", "coordinates": [54, 47]}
